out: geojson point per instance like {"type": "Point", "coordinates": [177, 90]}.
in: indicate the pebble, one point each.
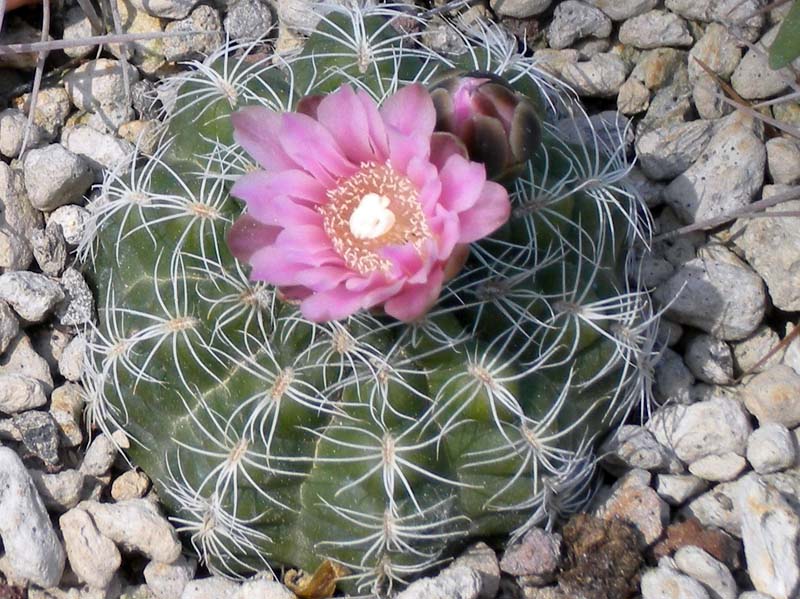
{"type": "Point", "coordinates": [76, 27]}
{"type": "Point", "coordinates": [717, 293]}
{"type": "Point", "coordinates": [712, 427]}
{"type": "Point", "coordinates": [771, 537]}
{"type": "Point", "coordinates": [136, 524]}
{"type": "Point", "coordinates": [482, 559]}
{"type": "Point", "coordinates": [711, 573]}
{"type": "Point", "coordinates": [39, 435]}
{"type": "Point", "coordinates": [670, 104]}
{"type": "Point", "coordinates": [537, 556]}
{"type": "Point", "coordinates": [654, 29]}
{"type": "Point", "coordinates": [60, 491]}
{"type": "Point", "coordinates": [753, 595]}
{"type": "Point", "coordinates": [52, 109]}
{"type": "Point", "coordinates": [247, 20]}
{"type": "Point", "coordinates": [185, 47]}
{"type": "Point", "coordinates": [744, 17]}
{"type": "Point", "coordinates": [100, 150]}
{"type": "Point", "coordinates": [633, 446]}
{"type": "Point", "coordinates": [130, 485]}
{"type": "Point", "coordinates": [70, 364]}
{"type": "Point", "coordinates": [721, 52]}
{"type": "Point", "coordinates": [21, 358]}
{"type": "Point", "coordinates": [771, 448]}
{"type": "Point", "coordinates": [54, 176]}
{"type": "Point", "coordinates": [48, 342]}
{"type": "Point", "coordinates": [771, 246]}
{"type": "Point", "coordinates": [66, 408]}
{"type": "Point", "coordinates": [666, 152]}
{"type": "Point", "coordinates": [774, 396]}
{"type": "Point", "coordinates": [99, 456]}
{"type": "Point", "coordinates": [675, 489]}
{"type": "Point", "coordinates": [633, 97]}
{"type": "Point", "coordinates": [638, 505]}
{"type": "Point", "coordinates": [600, 76]}
{"type": "Point", "coordinates": [573, 20]}
{"type": "Point", "coordinates": [673, 380]}
{"type": "Point", "coordinates": [727, 176]}
{"type": "Point", "coordinates": [168, 9]}
{"type": "Point", "coordinates": [792, 355]}
{"type": "Point", "coordinates": [78, 305]}
{"type": "Point", "coordinates": [519, 9]}
{"type": "Point", "coordinates": [98, 87]}
{"type": "Point", "coordinates": [716, 508]}
{"type": "Point", "coordinates": [750, 351]}
{"type": "Point", "coordinates": [92, 556]}
{"type": "Point", "coordinates": [168, 581]}
{"type": "Point", "coordinates": [148, 55]}
{"type": "Point", "coordinates": [71, 218]}
{"type": "Point", "coordinates": [50, 250]}
{"type": "Point", "coordinates": [710, 359]}
{"type": "Point", "coordinates": [783, 160]}
{"type": "Point", "coordinates": [33, 296]}
{"type": "Point", "coordinates": [214, 587]}
{"type": "Point", "coordinates": [13, 124]}
{"type": "Point", "coordinates": [15, 252]}
{"type": "Point", "coordinates": [718, 468]}
{"type": "Point", "coordinates": [263, 589]}
{"type": "Point", "coordinates": [664, 583]}
{"type": "Point", "coordinates": [9, 326]}
{"type": "Point", "coordinates": [19, 392]}
{"type": "Point", "coordinates": [452, 583]}
{"type": "Point", "coordinates": [32, 551]}
{"type": "Point", "coordinates": [753, 79]}
{"type": "Point", "coordinates": [620, 10]}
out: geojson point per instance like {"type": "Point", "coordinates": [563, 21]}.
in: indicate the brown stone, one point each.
{"type": "Point", "coordinates": [717, 543]}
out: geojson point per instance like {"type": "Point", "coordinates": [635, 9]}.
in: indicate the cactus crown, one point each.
{"type": "Point", "coordinates": [377, 444]}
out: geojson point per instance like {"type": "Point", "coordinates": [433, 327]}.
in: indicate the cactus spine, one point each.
{"type": "Point", "coordinates": [373, 443]}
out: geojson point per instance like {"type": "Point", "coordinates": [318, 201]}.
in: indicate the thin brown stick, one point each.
{"type": "Point", "coordinates": [782, 344]}
{"type": "Point", "coordinates": [125, 38]}
{"type": "Point", "coordinates": [37, 77]}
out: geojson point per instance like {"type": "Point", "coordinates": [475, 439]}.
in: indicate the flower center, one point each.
{"type": "Point", "coordinates": [375, 208]}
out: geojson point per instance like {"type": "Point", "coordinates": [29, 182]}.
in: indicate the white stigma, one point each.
{"type": "Point", "coordinates": [372, 217]}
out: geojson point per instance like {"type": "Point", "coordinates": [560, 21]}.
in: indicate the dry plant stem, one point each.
{"type": "Point", "coordinates": [746, 212]}
{"type": "Point", "coordinates": [125, 38]}
{"type": "Point", "coordinates": [88, 9]}
{"type": "Point", "coordinates": [37, 77]}
{"type": "Point", "coordinates": [786, 128]}
{"type": "Point", "coordinates": [782, 344]}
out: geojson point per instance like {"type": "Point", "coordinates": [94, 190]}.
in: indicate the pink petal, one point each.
{"type": "Point", "coordinates": [415, 300]}
{"type": "Point", "coordinates": [247, 236]}
{"type": "Point", "coordinates": [323, 278]}
{"type": "Point", "coordinates": [488, 214]}
{"type": "Point", "coordinates": [410, 112]}
{"type": "Point", "coordinates": [446, 230]}
{"type": "Point", "coordinates": [335, 304]}
{"type": "Point", "coordinates": [311, 146]}
{"type": "Point", "coordinates": [462, 183]}
{"type": "Point", "coordinates": [304, 240]}
{"type": "Point", "coordinates": [259, 186]}
{"type": "Point", "coordinates": [347, 117]}
{"type": "Point", "coordinates": [444, 145]}
{"type": "Point", "coordinates": [256, 128]}
{"type": "Point", "coordinates": [275, 266]}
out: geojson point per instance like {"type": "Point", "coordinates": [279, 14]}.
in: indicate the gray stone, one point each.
{"type": "Point", "coordinates": [717, 293]}
{"type": "Point", "coordinates": [744, 17]}
{"type": "Point", "coordinates": [52, 109]}
{"type": "Point", "coordinates": [783, 160]}
{"type": "Point", "coordinates": [50, 250]}
{"type": "Point", "coordinates": [482, 559]}
{"type": "Point", "coordinates": [263, 589]}
{"type": "Point", "coordinates": [15, 252]}
{"type": "Point", "coordinates": [78, 305]}
{"type": "Point", "coordinates": [709, 359]}
{"type": "Point", "coordinates": [663, 583]}
{"type": "Point", "coordinates": [619, 10]}
{"type": "Point", "coordinates": [13, 124]}
{"type": "Point", "coordinates": [717, 508]}
{"type": "Point", "coordinates": [600, 76]}
{"type": "Point", "coordinates": [713, 574]}
{"type": "Point", "coordinates": [9, 326]}
{"type": "Point", "coordinates": [185, 47]}
{"type": "Point", "coordinates": [634, 446]}
{"type": "Point", "coordinates": [705, 428]}
{"type": "Point", "coordinates": [39, 435]}
{"type": "Point", "coordinates": [669, 333]}
{"type": "Point", "coordinates": [98, 87]}
{"type": "Point", "coordinates": [71, 218]}
{"type": "Point", "coordinates": [720, 51]}
{"type": "Point", "coordinates": [671, 104]}
{"type": "Point", "coordinates": [666, 152]}
{"type": "Point", "coordinates": [771, 448]}
{"type": "Point", "coordinates": [771, 246]}
{"type": "Point", "coordinates": [675, 489]}
{"type": "Point", "coordinates": [537, 556]}
{"type": "Point", "coordinates": [633, 97]}
{"type": "Point", "coordinates": [633, 501]}
{"type": "Point", "coordinates": [32, 551]}
{"type": "Point", "coordinates": [102, 151]}
{"type": "Point", "coordinates": [136, 524]}
{"type": "Point", "coordinates": [693, 10]}
{"type": "Point", "coordinates": [60, 491]}
{"type": "Point", "coordinates": [70, 364]}
{"type": "Point", "coordinates": [519, 9]}
{"type": "Point", "coordinates": [21, 358]}
{"type": "Point", "coordinates": [771, 536]}
{"type": "Point", "coordinates": [214, 587]}
{"type": "Point", "coordinates": [49, 342]}
{"type": "Point", "coordinates": [31, 295]}
{"type": "Point", "coordinates": [93, 557]}
{"type": "Point", "coordinates": [792, 355]}
{"type": "Point", "coordinates": [19, 392]}
{"type": "Point", "coordinates": [654, 29]}
{"type": "Point", "coordinates": [673, 380]}
{"type": "Point", "coordinates": [753, 595]}
{"type": "Point", "coordinates": [18, 213]}
{"type": "Point", "coordinates": [247, 20]}
{"type": "Point", "coordinates": [77, 27]}
{"type": "Point", "coordinates": [54, 176]}
{"type": "Point", "coordinates": [167, 581]}
{"type": "Point", "coordinates": [66, 408]}
{"type": "Point", "coordinates": [99, 456]}
{"type": "Point", "coordinates": [455, 583]}
{"type": "Point", "coordinates": [753, 79]}
{"type": "Point", "coordinates": [574, 20]}
{"type": "Point", "coordinates": [749, 352]}
{"type": "Point", "coordinates": [774, 396]}
{"type": "Point", "coordinates": [726, 177]}
{"type": "Point", "coordinates": [718, 468]}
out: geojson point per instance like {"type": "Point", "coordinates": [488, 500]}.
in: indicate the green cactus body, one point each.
{"type": "Point", "coordinates": [376, 444]}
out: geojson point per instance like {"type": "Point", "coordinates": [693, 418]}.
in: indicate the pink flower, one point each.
{"type": "Point", "coordinates": [359, 207]}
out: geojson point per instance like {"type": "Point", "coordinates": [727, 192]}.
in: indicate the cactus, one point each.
{"type": "Point", "coordinates": [380, 445]}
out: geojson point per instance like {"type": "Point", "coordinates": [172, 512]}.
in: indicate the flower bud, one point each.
{"type": "Point", "coordinates": [498, 125]}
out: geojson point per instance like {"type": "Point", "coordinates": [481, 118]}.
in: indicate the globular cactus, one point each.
{"type": "Point", "coordinates": [380, 445]}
